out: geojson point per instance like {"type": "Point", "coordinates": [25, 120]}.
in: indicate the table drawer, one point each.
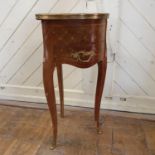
{"type": "Point", "coordinates": [76, 42]}
{"type": "Point", "coordinates": [85, 54]}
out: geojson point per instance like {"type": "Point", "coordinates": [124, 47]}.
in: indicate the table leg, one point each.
{"type": "Point", "coordinates": [102, 65]}
{"type": "Point", "coordinates": [61, 89]}
{"type": "Point", "coordinates": [48, 70]}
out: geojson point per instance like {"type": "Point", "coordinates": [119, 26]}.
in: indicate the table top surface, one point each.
{"type": "Point", "coordinates": [45, 16]}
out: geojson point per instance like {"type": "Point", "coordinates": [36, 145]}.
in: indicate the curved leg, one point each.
{"type": "Point", "coordinates": [61, 92]}
{"type": "Point", "coordinates": [102, 65]}
{"type": "Point", "coordinates": [48, 70]}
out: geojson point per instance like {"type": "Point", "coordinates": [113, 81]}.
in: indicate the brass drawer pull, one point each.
{"type": "Point", "coordinates": [83, 56]}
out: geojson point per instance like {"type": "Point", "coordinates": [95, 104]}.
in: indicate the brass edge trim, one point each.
{"type": "Point", "coordinates": [71, 16]}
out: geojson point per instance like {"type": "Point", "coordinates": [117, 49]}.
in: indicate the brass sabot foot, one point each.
{"type": "Point", "coordinates": [53, 146]}
{"type": "Point", "coordinates": [99, 131]}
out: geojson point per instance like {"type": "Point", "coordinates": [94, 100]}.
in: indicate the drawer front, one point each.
{"type": "Point", "coordinates": [78, 54]}
{"type": "Point", "coordinates": [78, 44]}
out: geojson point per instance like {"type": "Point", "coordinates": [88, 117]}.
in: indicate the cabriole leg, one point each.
{"type": "Point", "coordinates": [48, 70]}
{"type": "Point", "coordinates": [102, 65]}
{"type": "Point", "coordinates": [61, 89]}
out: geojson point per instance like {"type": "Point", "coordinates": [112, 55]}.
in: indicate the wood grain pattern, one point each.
{"type": "Point", "coordinates": [28, 131]}
{"type": "Point", "coordinates": [131, 25]}
{"type": "Point", "coordinates": [61, 88]}
{"type": "Point", "coordinates": [74, 41]}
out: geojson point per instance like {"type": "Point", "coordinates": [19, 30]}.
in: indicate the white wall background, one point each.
{"type": "Point", "coordinates": [130, 82]}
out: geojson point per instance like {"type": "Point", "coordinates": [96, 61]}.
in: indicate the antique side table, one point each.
{"type": "Point", "coordinates": [78, 40]}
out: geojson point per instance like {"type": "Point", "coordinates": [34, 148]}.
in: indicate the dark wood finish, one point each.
{"type": "Point", "coordinates": [25, 131]}
{"type": "Point", "coordinates": [48, 70]}
{"type": "Point", "coordinates": [61, 92]}
{"type": "Point", "coordinates": [102, 65]}
{"type": "Point", "coordinates": [80, 42]}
